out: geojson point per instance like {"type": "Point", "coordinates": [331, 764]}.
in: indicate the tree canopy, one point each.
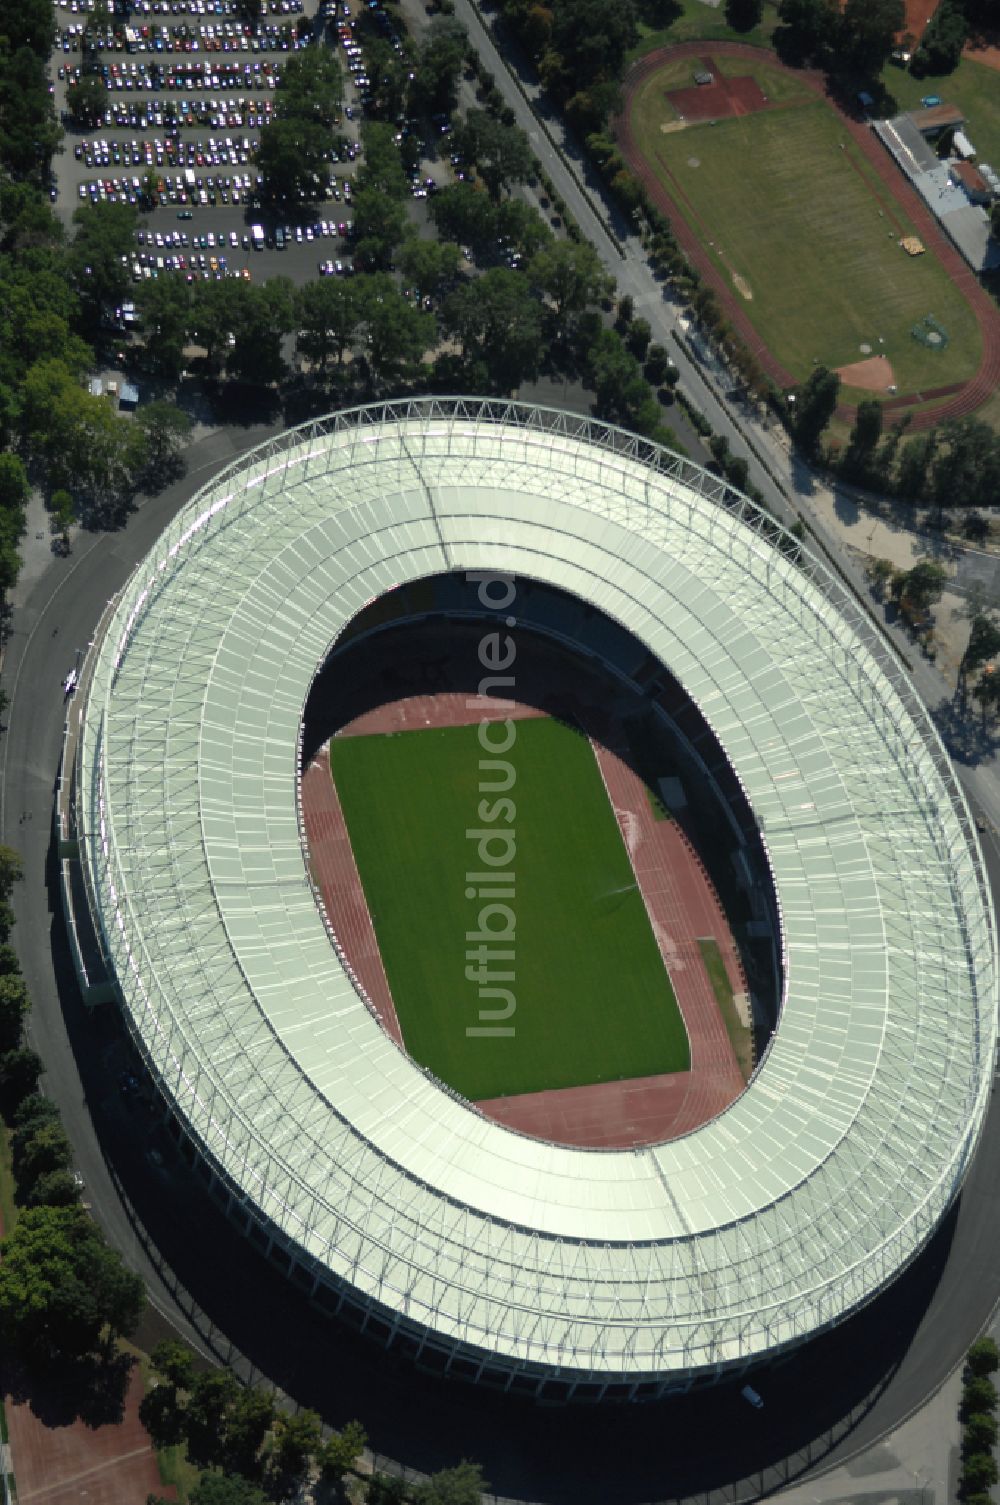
{"type": "Point", "coordinates": [61, 1287]}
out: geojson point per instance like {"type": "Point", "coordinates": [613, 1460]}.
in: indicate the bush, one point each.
{"type": "Point", "coordinates": [984, 1357]}
{"type": "Point", "coordinates": [979, 1473]}
{"type": "Point", "coordinates": [978, 1395]}
{"type": "Point", "coordinates": [980, 1433]}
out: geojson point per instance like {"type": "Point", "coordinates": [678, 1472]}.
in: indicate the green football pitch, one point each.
{"type": "Point", "coordinates": [593, 999]}
{"type": "Point", "coordinates": [804, 230]}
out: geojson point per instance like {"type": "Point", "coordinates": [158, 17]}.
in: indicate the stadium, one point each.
{"type": "Point", "coordinates": [554, 1271]}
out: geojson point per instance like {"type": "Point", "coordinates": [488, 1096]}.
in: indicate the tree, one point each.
{"type": "Point", "coordinates": [570, 275]}
{"type": "Point", "coordinates": [328, 313]}
{"type": "Point", "coordinates": [590, 40]}
{"type": "Point", "coordinates": [54, 1189]}
{"type": "Point", "coordinates": [61, 1287]}
{"type": "Point", "coordinates": [296, 1438]}
{"type": "Point", "coordinates": [923, 585]}
{"type": "Point", "coordinates": [940, 49]}
{"type": "Point", "coordinates": [983, 1357]}
{"type": "Point", "coordinates": [166, 428]}
{"type": "Point", "coordinates": [379, 226]}
{"type": "Point", "coordinates": [815, 405]}
{"type": "Point", "coordinates": [807, 30]}
{"type": "Point", "coordinates": [266, 314]}
{"type": "Point", "coordinates": [100, 254]}
{"type": "Point", "coordinates": [382, 168]}
{"type": "Point", "coordinates": [983, 645]}
{"type": "Point", "coordinates": [868, 31]}
{"type": "Point", "coordinates": [979, 1472]}
{"type": "Point", "coordinates": [744, 15]}
{"type": "Point", "coordinates": [164, 306]}
{"type": "Point", "coordinates": [292, 159]}
{"type": "Point", "coordinates": [215, 311]}
{"type": "Point", "coordinates": [63, 511]}
{"type": "Point", "coordinates": [211, 1398]}
{"type": "Point", "coordinates": [14, 487]}
{"type": "Point", "coordinates": [341, 1451]}
{"type": "Point", "coordinates": [966, 468]}
{"type": "Point", "coordinates": [987, 692]}
{"type": "Point", "coordinates": [34, 1111]}
{"type": "Point", "coordinates": [9, 964]}
{"type": "Point", "coordinates": [29, 135]}
{"type": "Point", "coordinates": [979, 1394]}
{"type": "Point", "coordinates": [19, 1073]}
{"type": "Point", "coordinates": [497, 321]}
{"type": "Point", "coordinates": [501, 153]}
{"type": "Point", "coordinates": [385, 1489]}
{"type": "Point", "coordinates": [226, 1489]}
{"type": "Point", "coordinates": [388, 78]}
{"type": "Point", "coordinates": [87, 101]}
{"type": "Point", "coordinates": [461, 1485]}
{"type": "Point", "coordinates": [657, 369]}
{"type": "Point", "coordinates": [980, 1433]}
{"type": "Point", "coordinates": [522, 227]}
{"type": "Point", "coordinates": [79, 438]}
{"type": "Point", "coordinates": [439, 63]}
{"type": "Point", "coordinates": [45, 1149]}
{"type": "Point", "coordinates": [863, 440]}
{"type": "Point", "coordinates": [880, 572]}
{"type": "Point", "coordinates": [913, 477]}
{"type": "Point", "coordinates": [248, 1423]}
{"type": "Point", "coordinates": [14, 1005]}
{"type": "Point", "coordinates": [397, 334]}
{"type": "Point", "coordinates": [162, 1413]}
{"type": "Point", "coordinates": [430, 266]}
{"type": "Point", "coordinates": [174, 1362]}
{"type": "Point", "coordinates": [465, 215]}
{"type": "Point", "coordinates": [310, 88]}
{"type": "Point", "coordinates": [623, 395]}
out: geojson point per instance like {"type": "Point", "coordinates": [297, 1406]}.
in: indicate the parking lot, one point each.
{"type": "Point", "coordinates": [198, 139]}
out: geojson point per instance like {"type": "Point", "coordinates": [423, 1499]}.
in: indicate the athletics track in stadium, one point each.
{"type": "Point", "coordinates": [680, 901]}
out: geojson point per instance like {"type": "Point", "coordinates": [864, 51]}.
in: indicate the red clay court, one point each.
{"type": "Point", "coordinates": [724, 96]}
{"type": "Point", "coordinates": [680, 901]}
{"type": "Point", "coordinates": [65, 1465]}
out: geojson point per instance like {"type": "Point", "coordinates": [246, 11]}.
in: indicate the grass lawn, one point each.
{"type": "Point", "coordinates": [793, 214]}
{"type": "Point", "coordinates": [973, 87]}
{"type": "Point", "coordinates": [8, 1207]}
{"type": "Point", "coordinates": [594, 1002]}
{"type": "Point", "coordinates": [740, 1038]}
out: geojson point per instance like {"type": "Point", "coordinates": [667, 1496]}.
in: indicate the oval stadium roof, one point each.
{"type": "Point", "coordinates": [818, 1184]}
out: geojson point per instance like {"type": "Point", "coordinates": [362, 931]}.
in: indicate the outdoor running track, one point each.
{"type": "Point", "coordinates": [680, 900]}
{"type": "Point", "coordinates": [961, 401]}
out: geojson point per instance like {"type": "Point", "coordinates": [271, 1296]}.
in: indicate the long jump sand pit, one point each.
{"type": "Point", "coordinates": [873, 374]}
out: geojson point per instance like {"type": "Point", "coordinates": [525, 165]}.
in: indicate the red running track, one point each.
{"type": "Point", "coordinates": [680, 900]}
{"type": "Point", "coordinates": [969, 396]}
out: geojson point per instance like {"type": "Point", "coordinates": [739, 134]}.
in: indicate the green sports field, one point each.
{"type": "Point", "coordinates": [593, 1000]}
{"type": "Point", "coordinates": [805, 232]}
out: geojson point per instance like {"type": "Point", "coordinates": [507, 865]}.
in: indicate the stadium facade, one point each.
{"type": "Point", "coordinates": [553, 1271]}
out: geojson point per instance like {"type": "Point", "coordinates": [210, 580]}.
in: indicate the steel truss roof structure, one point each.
{"type": "Point", "coordinates": [644, 1268]}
